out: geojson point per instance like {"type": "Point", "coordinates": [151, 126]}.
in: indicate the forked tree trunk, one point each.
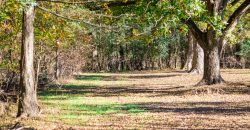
{"type": "Point", "coordinates": [28, 105]}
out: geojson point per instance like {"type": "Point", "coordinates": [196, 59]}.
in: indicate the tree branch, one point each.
{"type": "Point", "coordinates": [75, 20]}
{"type": "Point", "coordinates": [235, 17]}
{"type": "Point", "coordinates": [233, 3]}
{"type": "Point", "coordinates": [198, 34]}
{"type": "Point", "coordinates": [74, 2]}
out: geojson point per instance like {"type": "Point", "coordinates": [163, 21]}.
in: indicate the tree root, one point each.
{"type": "Point", "coordinates": [195, 71]}
{"type": "Point", "coordinates": [208, 91]}
{"type": "Point", "coordinates": [212, 82]}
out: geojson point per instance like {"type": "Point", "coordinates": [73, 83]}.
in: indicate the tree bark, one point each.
{"type": "Point", "coordinates": [198, 59]}
{"type": "Point", "coordinates": [190, 53]}
{"type": "Point", "coordinates": [211, 73]}
{"type": "Point", "coordinates": [28, 105]}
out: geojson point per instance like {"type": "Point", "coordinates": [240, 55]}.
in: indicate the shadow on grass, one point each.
{"type": "Point", "coordinates": [15, 127]}
{"type": "Point", "coordinates": [90, 77]}
{"type": "Point", "coordinates": [213, 108]}
{"type": "Point", "coordinates": [237, 88]}
{"type": "Point", "coordinates": [120, 77]}
{"type": "Point", "coordinates": [85, 90]}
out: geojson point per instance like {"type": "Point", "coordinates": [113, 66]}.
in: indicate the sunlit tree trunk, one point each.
{"type": "Point", "coordinates": [57, 67]}
{"type": "Point", "coordinates": [28, 105]}
{"type": "Point", "coordinates": [198, 59]}
{"type": "Point", "coordinates": [190, 53]}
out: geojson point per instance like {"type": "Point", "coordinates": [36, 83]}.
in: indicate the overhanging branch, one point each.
{"type": "Point", "coordinates": [78, 2]}
{"type": "Point", "coordinates": [74, 20]}
{"type": "Point", "coordinates": [198, 34]}
{"type": "Point", "coordinates": [235, 17]}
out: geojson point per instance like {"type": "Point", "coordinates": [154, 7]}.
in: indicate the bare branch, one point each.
{"type": "Point", "coordinates": [109, 3]}
{"type": "Point", "coordinates": [91, 4]}
{"type": "Point", "coordinates": [112, 16]}
{"type": "Point", "coordinates": [82, 2]}
{"type": "Point", "coordinates": [75, 20]}
{"type": "Point", "coordinates": [153, 28]}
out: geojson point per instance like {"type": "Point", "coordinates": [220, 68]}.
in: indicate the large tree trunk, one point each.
{"type": "Point", "coordinates": [212, 66]}
{"type": "Point", "coordinates": [28, 105]}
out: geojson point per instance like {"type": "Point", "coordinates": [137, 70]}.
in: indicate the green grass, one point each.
{"type": "Point", "coordinates": [69, 105]}
{"type": "Point", "coordinates": [65, 90]}
{"type": "Point", "coordinates": [79, 104]}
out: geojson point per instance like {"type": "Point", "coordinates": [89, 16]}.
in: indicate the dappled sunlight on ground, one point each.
{"type": "Point", "coordinates": [147, 100]}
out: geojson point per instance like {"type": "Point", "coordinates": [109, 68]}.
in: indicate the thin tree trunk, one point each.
{"type": "Point", "coordinates": [57, 67]}
{"type": "Point", "coordinates": [122, 58]}
{"type": "Point", "coordinates": [37, 71]}
{"type": "Point", "coordinates": [28, 105]}
{"type": "Point", "coordinates": [190, 54]}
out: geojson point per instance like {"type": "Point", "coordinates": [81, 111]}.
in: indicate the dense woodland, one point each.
{"type": "Point", "coordinates": [42, 41]}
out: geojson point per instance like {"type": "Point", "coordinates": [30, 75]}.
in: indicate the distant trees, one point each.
{"type": "Point", "coordinates": [116, 52]}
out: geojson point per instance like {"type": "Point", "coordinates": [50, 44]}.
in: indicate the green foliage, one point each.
{"type": "Point", "coordinates": [245, 48]}
{"type": "Point", "coordinates": [27, 2]}
{"type": "Point", "coordinates": [10, 36]}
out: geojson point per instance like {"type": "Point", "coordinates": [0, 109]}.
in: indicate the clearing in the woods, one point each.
{"type": "Point", "coordinates": [142, 100]}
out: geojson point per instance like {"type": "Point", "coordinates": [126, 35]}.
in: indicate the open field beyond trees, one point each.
{"type": "Point", "coordinates": [142, 100]}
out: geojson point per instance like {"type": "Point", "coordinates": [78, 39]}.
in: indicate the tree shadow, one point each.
{"type": "Point", "coordinates": [86, 90]}
{"type": "Point", "coordinates": [91, 77]}
{"type": "Point", "coordinates": [152, 76]}
{"type": "Point", "coordinates": [239, 71]}
{"type": "Point", "coordinates": [15, 127]}
{"type": "Point", "coordinates": [121, 77]}
{"type": "Point", "coordinates": [163, 90]}
{"type": "Point", "coordinates": [237, 88]}
{"type": "Point", "coordinates": [213, 108]}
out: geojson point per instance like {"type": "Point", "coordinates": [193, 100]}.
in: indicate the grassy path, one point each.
{"type": "Point", "coordinates": [145, 100]}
